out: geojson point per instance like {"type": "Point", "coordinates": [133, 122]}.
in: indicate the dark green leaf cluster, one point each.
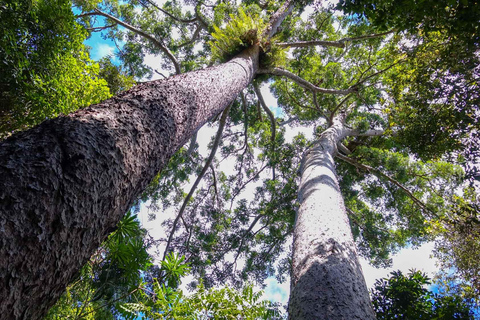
{"type": "Point", "coordinates": [406, 297]}
{"type": "Point", "coordinates": [44, 66]}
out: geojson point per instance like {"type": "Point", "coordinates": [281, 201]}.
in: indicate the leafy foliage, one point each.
{"type": "Point", "coordinates": [45, 69]}
{"type": "Point", "coordinates": [112, 277]}
{"type": "Point", "coordinates": [405, 297]}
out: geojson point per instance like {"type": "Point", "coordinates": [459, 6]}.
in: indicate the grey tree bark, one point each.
{"type": "Point", "coordinates": [326, 279]}
{"type": "Point", "coordinates": [65, 184]}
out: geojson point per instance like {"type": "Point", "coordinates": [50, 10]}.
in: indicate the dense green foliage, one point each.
{"type": "Point", "coordinates": [406, 297]}
{"type": "Point", "coordinates": [45, 69]}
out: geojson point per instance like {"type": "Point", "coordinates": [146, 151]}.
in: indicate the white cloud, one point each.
{"type": "Point", "coordinates": [277, 292]}
{"type": "Point", "coordinates": [101, 50]}
{"type": "Point", "coordinates": [405, 260]}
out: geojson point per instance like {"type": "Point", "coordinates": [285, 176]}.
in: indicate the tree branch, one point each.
{"type": "Point", "coordinates": [191, 147]}
{"type": "Point", "coordinates": [245, 114]}
{"type": "Point", "coordinates": [361, 81]}
{"type": "Point", "coordinates": [326, 43]}
{"type": "Point", "coordinates": [368, 133]}
{"type": "Point", "coordinates": [304, 83]}
{"type": "Point", "coordinates": [171, 15]}
{"type": "Point", "coordinates": [216, 142]}
{"type": "Point", "coordinates": [96, 29]}
{"type": "Point", "coordinates": [277, 18]}
{"type": "Point", "coordinates": [304, 44]}
{"type": "Point", "coordinates": [332, 115]}
{"type": "Point", "coordinates": [368, 36]}
{"type": "Point", "coordinates": [194, 36]}
{"type": "Point", "coordinates": [378, 172]}
{"type": "Point", "coordinates": [272, 121]}
{"type": "Point", "coordinates": [157, 43]}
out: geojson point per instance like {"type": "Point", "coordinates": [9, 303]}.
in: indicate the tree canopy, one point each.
{"type": "Point", "coordinates": [407, 84]}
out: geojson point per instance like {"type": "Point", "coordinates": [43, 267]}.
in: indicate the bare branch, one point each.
{"type": "Point", "coordinates": [157, 43]}
{"type": "Point", "coordinates": [254, 222]}
{"type": "Point", "coordinates": [245, 115]}
{"type": "Point", "coordinates": [285, 122]}
{"type": "Point", "coordinates": [245, 184]}
{"type": "Point", "coordinates": [215, 184]}
{"type": "Point", "coordinates": [304, 83]}
{"type": "Point", "coordinates": [216, 142]}
{"type": "Point", "coordinates": [362, 81]}
{"type": "Point", "coordinates": [368, 133]}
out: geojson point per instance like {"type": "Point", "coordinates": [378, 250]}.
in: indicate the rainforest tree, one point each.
{"type": "Point", "coordinates": [72, 178]}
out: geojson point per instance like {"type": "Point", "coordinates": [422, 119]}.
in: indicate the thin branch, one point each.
{"type": "Point", "coordinates": [368, 36]}
{"type": "Point", "coordinates": [96, 29]}
{"type": "Point", "coordinates": [194, 36]}
{"type": "Point", "coordinates": [326, 43]}
{"type": "Point", "coordinates": [304, 44]}
{"type": "Point", "coordinates": [171, 15]}
{"type": "Point", "coordinates": [157, 43]}
{"type": "Point", "coordinates": [259, 111]}
{"type": "Point", "coordinates": [244, 185]}
{"type": "Point", "coordinates": [285, 122]}
{"type": "Point", "coordinates": [361, 81]}
{"type": "Point", "coordinates": [378, 172]}
{"type": "Point", "coordinates": [216, 142]}
{"type": "Point", "coordinates": [215, 184]}
{"type": "Point", "coordinates": [245, 235]}
{"type": "Point", "coordinates": [272, 121]}
{"type": "Point", "coordinates": [106, 304]}
{"type": "Point", "coordinates": [304, 83]}
{"type": "Point", "coordinates": [245, 115]}
{"type": "Point", "coordinates": [368, 133]}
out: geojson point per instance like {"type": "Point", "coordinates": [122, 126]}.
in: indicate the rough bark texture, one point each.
{"type": "Point", "coordinates": [327, 281]}
{"type": "Point", "coordinates": [65, 184]}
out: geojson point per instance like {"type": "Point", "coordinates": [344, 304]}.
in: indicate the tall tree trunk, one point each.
{"type": "Point", "coordinates": [65, 184]}
{"type": "Point", "coordinates": [327, 281]}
